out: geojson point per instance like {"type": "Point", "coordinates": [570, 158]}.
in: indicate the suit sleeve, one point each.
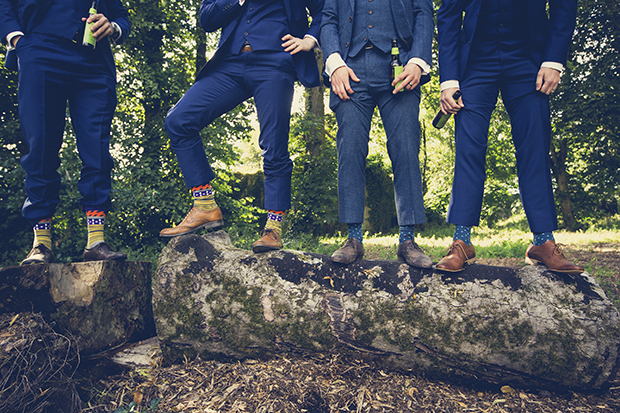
{"type": "Point", "coordinates": [562, 18]}
{"type": "Point", "coordinates": [449, 21]}
{"type": "Point", "coordinates": [423, 28]}
{"type": "Point", "coordinates": [329, 35]}
{"type": "Point", "coordinates": [8, 20]}
{"type": "Point", "coordinates": [118, 14]}
{"type": "Point", "coordinates": [215, 14]}
{"type": "Point", "coordinates": [316, 11]}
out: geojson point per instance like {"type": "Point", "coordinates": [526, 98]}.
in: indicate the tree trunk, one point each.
{"type": "Point", "coordinates": [101, 303]}
{"type": "Point", "coordinates": [526, 327]}
{"type": "Point", "coordinates": [558, 166]}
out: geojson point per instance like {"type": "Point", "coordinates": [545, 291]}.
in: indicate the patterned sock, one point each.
{"type": "Point", "coordinates": [203, 197]}
{"type": "Point", "coordinates": [43, 233]}
{"type": "Point", "coordinates": [463, 233]}
{"type": "Point", "coordinates": [95, 220]}
{"type": "Point", "coordinates": [541, 237]}
{"type": "Point", "coordinates": [274, 221]}
{"type": "Point", "coordinates": [406, 233]}
{"type": "Point", "coordinates": [355, 231]}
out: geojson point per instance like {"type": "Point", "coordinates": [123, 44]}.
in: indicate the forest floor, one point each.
{"type": "Point", "coordinates": [333, 383]}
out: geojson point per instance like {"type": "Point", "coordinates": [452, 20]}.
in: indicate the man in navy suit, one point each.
{"type": "Point", "coordinates": [44, 42]}
{"type": "Point", "coordinates": [265, 45]}
{"type": "Point", "coordinates": [356, 37]}
{"type": "Point", "coordinates": [511, 46]}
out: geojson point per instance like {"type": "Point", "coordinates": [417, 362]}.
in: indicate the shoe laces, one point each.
{"type": "Point", "coordinates": [558, 250]}
{"type": "Point", "coordinates": [460, 247]}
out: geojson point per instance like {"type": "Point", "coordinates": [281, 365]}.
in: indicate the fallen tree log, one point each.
{"type": "Point", "coordinates": [527, 327]}
{"type": "Point", "coordinates": [100, 303]}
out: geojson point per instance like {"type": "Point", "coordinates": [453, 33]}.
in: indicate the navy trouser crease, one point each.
{"type": "Point", "coordinates": [52, 72]}
{"type": "Point", "coordinates": [514, 74]}
{"type": "Point", "coordinates": [269, 78]}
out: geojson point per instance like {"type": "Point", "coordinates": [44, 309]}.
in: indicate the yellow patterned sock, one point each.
{"type": "Point", "coordinates": [43, 233]}
{"type": "Point", "coordinates": [203, 197]}
{"type": "Point", "coordinates": [274, 221]}
{"type": "Point", "coordinates": [95, 220]}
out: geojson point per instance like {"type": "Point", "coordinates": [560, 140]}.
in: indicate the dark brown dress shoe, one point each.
{"type": "Point", "coordinates": [351, 251]}
{"type": "Point", "coordinates": [102, 252]}
{"type": "Point", "coordinates": [270, 241]}
{"type": "Point", "coordinates": [458, 255]}
{"type": "Point", "coordinates": [195, 220]}
{"type": "Point", "coordinates": [413, 255]}
{"type": "Point", "coordinates": [39, 254]}
{"type": "Point", "coordinates": [550, 254]}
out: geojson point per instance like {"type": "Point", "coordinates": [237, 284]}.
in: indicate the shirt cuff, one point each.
{"type": "Point", "coordinates": [447, 84]}
{"type": "Point", "coordinates": [10, 37]}
{"type": "Point", "coordinates": [553, 65]}
{"type": "Point", "coordinates": [426, 68]}
{"type": "Point", "coordinates": [333, 62]}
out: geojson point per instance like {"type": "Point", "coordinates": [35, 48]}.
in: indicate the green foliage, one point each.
{"type": "Point", "coordinates": [314, 198]}
{"type": "Point", "coordinates": [380, 196]}
{"type": "Point", "coordinates": [133, 407]}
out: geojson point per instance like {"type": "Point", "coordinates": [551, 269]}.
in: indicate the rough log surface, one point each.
{"type": "Point", "coordinates": [527, 327]}
{"type": "Point", "coordinates": [101, 303]}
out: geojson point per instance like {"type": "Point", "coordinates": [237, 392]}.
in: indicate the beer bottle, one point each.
{"type": "Point", "coordinates": [396, 67]}
{"type": "Point", "coordinates": [441, 118]}
{"type": "Point", "coordinates": [89, 39]}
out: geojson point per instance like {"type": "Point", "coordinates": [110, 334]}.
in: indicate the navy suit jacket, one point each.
{"type": "Point", "coordinates": [26, 15]}
{"type": "Point", "coordinates": [224, 14]}
{"type": "Point", "coordinates": [413, 20]}
{"type": "Point", "coordinates": [549, 36]}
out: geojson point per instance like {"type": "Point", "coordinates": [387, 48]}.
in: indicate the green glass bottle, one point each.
{"type": "Point", "coordinates": [396, 67]}
{"type": "Point", "coordinates": [89, 39]}
{"type": "Point", "coordinates": [441, 118]}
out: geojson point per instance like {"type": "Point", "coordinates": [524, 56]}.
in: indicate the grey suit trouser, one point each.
{"type": "Point", "coordinates": [402, 128]}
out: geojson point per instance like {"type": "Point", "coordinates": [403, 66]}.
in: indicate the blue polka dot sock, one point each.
{"type": "Point", "coordinates": [355, 231]}
{"type": "Point", "coordinates": [463, 233]}
{"type": "Point", "coordinates": [406, 233]}
{"type": "Point", "coordinates": [541, 237]}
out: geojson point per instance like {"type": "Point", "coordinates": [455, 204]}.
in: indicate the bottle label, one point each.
{"type": "Point", "coordinates": [397, 71]}
{"type": "Point", "coordinates": [89, 38]}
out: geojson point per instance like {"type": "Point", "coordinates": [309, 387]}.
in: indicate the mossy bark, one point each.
{"type": "Point", "coordinates": [527, 327]}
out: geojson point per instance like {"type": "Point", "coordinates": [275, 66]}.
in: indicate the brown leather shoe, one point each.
{"type": "Point", "coordinates": [458, 255]}
{"type": "Point", "coordinates": [102, 252]}
{"type": "Point", "coordinates": [351, 251]}
{"type": "Point", "coordinates": [550, 254]}
{"type": "Point", "coordinates": [194, 220]}
{"type": "Point", "coordinates": [413, 255]}
{"type": "Point", "coordinates": [270, 241]}
{"type": "Point", "coordinates": [39, 254]}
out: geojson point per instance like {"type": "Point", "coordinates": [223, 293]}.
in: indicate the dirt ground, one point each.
{"type": "Point", "coordinates": [332, 383]}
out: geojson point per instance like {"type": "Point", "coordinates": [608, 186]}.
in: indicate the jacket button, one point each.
{"type": "Point", "coordinates": [346, 44]}
{"type": "Point", "coordinates": [350, 18]}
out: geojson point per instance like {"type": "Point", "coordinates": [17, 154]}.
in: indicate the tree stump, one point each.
{"type": "Point", "coordinates": [528, 327]}
{"type": "Point", "coordinates": [100, 303]}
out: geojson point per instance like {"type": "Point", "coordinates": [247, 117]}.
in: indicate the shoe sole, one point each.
{"type": "Point", "coordinates": [264, 248]}
{"type": "Point", "coordinates": [208, 225]}
{"type": "Point", "coordinates": [531, 261]}
{"type": "Point", "coordinates": [32, 262]}
{"type": "Point", "coordinates": [471, 261]}
{"type": "Point", "coordinates": [401, 260]}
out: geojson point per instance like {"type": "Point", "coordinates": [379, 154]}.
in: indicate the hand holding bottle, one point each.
{"type": "Point", "coordinates": [452, 105]}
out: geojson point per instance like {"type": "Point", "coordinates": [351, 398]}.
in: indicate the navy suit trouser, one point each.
{"type": "Point", "coordinates": [52, 72]}
{"type": "Point", "coordinates": [514, 74]}
{"type": "Point", "coordinates": [402, 129]}
{"type": "Point", "coordinates": [268, 77]}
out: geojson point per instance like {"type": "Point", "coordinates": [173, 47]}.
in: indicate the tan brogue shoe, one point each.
{"type": "Point", "coordinates": [195, 220]}
{"type": "Point", "coordinates": [413, 255]}
{"type": "Point", "coordinates": [39, 254]}
{"type": "Point", "coordinates": [351, 251]}
{"type": "Point", "coordinates": [270, 241]}
{"type": "Point", "coordinates": [550, 254]}
{"type": "Point", "coordinates": [458, 255]}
